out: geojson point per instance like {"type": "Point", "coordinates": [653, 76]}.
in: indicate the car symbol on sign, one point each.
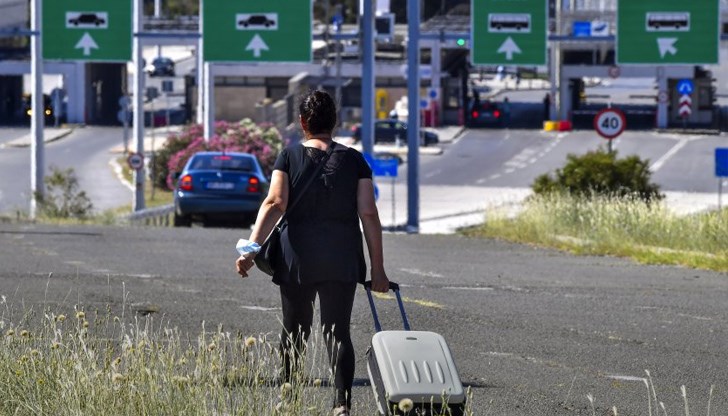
{"type": "Point", "coordinates": [257, 21]}
{"type": "Point", "coordinates": [86, 20]}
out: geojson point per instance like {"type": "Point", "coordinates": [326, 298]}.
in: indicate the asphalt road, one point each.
{"type": "Point", "coordinates": [86, 150]}
{"type": "Point", "coordinates": [533, 331]}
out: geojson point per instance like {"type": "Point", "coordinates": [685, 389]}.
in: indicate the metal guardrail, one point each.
{"type": "Point", "coordinates": [155, 217]}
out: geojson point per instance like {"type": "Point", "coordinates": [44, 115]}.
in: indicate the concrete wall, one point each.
{"type": "Point", "coordinates": [235, 103]}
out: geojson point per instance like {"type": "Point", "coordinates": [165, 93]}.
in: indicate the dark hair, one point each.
{"type": "Point", "coordinates": [318, 110]}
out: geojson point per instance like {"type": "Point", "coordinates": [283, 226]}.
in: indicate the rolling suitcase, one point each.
{"type": "Point", "coordinates": [415, 365]}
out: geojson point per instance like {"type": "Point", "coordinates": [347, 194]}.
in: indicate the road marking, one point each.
{"type": "Point", "coordinates": [421, 273]}
{"type": "Point", "coordinates": [433, 173]}
{"type": "Point", "coordinates": [425, 303]}
{"type": "Point", "coordinates": [119, 174]}
{"type": "Point", "coordinates": [487, 289]}
{"type": "Point", "coordinates": [627, 378]}
{"type": "Point", "coordinates": [670, 153]}
{"type": "Point", "coordinates": [259, 308]}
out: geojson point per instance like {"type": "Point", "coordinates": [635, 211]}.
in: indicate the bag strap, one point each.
{"type": "Point", "coordinates": [320, 166]}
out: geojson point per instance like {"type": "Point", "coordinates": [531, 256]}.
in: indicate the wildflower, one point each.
{"type": "Point", "coordinates": [24, 333]}
{"type": "Point", "coordinates": [286, 390]}
{"type": "Point", "coordinates": [249, 342]}
{"type": "Point", "coordinates": [80, 315]}
{"type": "Point", "coordinates": [181, 379]}
{"type": "Point", "coordinates": [35, 353]}
{"type": "Point", "coordinates": [23, 358]}
{"type": "Point", "coordinates": [182, 361]}
{"type": "Point", "coordinates": [405, 405]}
{"type": "Point", "coordinates": [61, 318]}
{"type": "Point", "coordinates": [317, 382]}
{"type": "Point", "coordinates": [116, 319]}
{"type": "Point", "coordinates": [116, 362]}
{"type": "Point", "coordinates": [117, 378]}
{"type": "Point", "coordinates": [211, 347]}
{"type": "Point", "coordinates": [41, 381]}
{"type": "Point", "coordinates": [85, 323]}
{"type": "Point", "coordinates": [10, 332]}
{"type": "Point", "coordinates": [55, 345]}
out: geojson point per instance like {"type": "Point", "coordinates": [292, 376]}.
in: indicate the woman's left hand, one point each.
{"type": "Point", "coordinates": [244, 263]}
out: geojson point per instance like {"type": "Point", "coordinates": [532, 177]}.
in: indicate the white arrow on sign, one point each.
{"type": "Point", "coordinates": [666, 45]}
{"type": "Point", "coordinates": [256, 45]}
{"type": "Point", "coordinates": [686, 100]}
{"type": "Point", "coordinates": [86, 43]}
{"type": "Point", "coordinates": [509, 47]}
{"type": "Point", "coordinates": [685, 110]}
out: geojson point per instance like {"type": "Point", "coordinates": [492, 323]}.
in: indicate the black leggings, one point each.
{"type": "Point", "coordinates": [336, 300]}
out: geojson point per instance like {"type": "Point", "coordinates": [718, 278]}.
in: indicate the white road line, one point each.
{"type": "Point", "coordinates": [117, 169]}
{"type": "Point", "coordinates": [259, 308]}
{"type": "Point", "coordinates": [627, 378]}
{"type": "Point", "coordinates": [670, 153]}
{"type": "Point", "coordinates": [433, 173]}
{"type": "Point", "coordinates": [468, 288]}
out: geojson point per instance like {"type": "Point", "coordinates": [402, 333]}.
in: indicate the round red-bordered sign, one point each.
{"type": "Point", "coordinates": [610, 123]}
{"type": "Point", "coordinates": [135, 161]}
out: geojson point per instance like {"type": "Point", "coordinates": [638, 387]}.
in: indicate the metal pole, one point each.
{"type": "Point", "coordinates": [200, 72]}
{"type": "Point", "coordinates": [151, 160]}
{"type": "Point", "coordinates": [37, 159]}
{"type": "Point", "coordinates": [720, 194]}
{"type": "Point", "coordinates": [209, 110]}
{"type": "Point", "coordinates": [338, 64]}
{"type": "Point", "coordinates": [138, 91]}
{"type": "Point", "coordinates": [367, 77]}
{"type": "Point", "coordinates": [413, 119]}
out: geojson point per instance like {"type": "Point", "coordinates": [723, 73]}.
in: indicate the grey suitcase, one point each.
{"type": "Point", "coordinates": [415, 365]}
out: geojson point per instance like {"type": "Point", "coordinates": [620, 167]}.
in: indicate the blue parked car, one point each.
{"type": "Point", "coordinates": [219, 185]}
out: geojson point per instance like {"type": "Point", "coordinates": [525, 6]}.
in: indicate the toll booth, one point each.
{"type": "Point", "coordinates": [105, 84]}
{"type": "Point", "coordinates": [11, 99]}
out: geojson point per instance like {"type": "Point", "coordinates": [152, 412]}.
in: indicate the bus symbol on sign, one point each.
{"type": "Point", "coordinates": [667, 22]}
{"type": "Point", "coordinates": [509, 23]}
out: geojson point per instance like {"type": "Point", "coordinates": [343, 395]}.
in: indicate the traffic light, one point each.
{"type": "Point", "coordinates": [460, 42]}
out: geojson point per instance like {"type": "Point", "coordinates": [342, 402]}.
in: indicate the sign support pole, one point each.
{"type": "Point", "coordinates": [37, 161]}
{"type": "Point", "coordinates": [367, 78]}
{"type": "Point", "coordinates": [138, 91]}
{"type": "Point", "coordinates": [413, 118]}
{"type": "Point", "coordinates": [209, 109]}
{"type": "Point", "coordinates": [200, 72]}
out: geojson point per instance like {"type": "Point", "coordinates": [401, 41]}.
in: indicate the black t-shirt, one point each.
{"type": "Point", "coordinates": [322, 240]}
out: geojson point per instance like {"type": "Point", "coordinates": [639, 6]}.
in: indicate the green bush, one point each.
{"type": "Point", "coordinates": [601, 173]}
{"type": "Point", "coordinates": [62, 198]}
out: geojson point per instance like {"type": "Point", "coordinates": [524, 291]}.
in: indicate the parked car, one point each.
{"type": "Point", "coordinates": [161, 67]}
{"type": "Point", "coordinates": [87, 19]}
{"type": "Point", "coordinates": [389, 130]}
{"type": "Point", "coordinates": [219, 186]}
{"type": "Point", "coordinates": [257, 20]}
{"type": "Point", "coordinates": [486, 113]}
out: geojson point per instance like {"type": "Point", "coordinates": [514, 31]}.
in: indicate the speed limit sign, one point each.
{"type": "Point", "coordinates": [610, 123]}
{"type": "Point", "coordinates": [135, 161]}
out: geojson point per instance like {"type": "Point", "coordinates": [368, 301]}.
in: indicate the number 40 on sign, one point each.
{"type": "Point", "coordinates": [610, 123]}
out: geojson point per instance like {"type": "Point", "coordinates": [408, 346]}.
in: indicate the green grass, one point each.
{"type": "Point", "coordinates": [96, 363]}
{"type": "Point", "coordinates": [648, 233]}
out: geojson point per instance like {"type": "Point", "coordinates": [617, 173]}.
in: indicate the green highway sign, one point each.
{"type": "Point", "coordinates": [87, 30]}
{"type": "Point", "coordinates": [508, 32]}
{"type": "Point", "coordinates": [655, 32]}
{"type": "Point", "coordinates": [257, 30]}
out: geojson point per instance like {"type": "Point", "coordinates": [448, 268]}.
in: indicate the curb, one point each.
{"type": "Point", "coordinates": [25, 140]}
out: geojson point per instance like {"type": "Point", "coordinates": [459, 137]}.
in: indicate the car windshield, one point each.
{"type": "Point", "coordinates": [222, 162]}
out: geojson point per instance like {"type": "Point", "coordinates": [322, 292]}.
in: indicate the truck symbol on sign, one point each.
{"type": "Point", "coordinates": [87, 20]}
{"type": "Point", "coordinates": [509, 22]}
{"type": "Point", "coordinates": [667, 22]}
{"type": "Point", "coordinates": [260, 21]}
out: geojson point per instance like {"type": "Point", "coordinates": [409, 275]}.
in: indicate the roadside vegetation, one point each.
{"type": "Point", "coordinates": [601, 205]}
{"type": "Point", "coordinates": [97, 363]}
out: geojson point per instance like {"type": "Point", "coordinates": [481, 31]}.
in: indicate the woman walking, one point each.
{"type": "Point", "coordinates": [322, 243]}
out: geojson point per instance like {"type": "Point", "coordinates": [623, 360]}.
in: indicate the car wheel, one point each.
{"type": "Point", "coordinates": [182, 220]}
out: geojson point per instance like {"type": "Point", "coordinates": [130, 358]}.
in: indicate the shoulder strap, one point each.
{"type": "Point", "coordinates": [308, 182]}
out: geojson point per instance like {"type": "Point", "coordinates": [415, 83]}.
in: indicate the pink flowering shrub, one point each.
{"type": "Point", "coordinates": [262, 140]}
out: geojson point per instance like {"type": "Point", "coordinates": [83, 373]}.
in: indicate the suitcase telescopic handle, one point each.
{"type": "Point", "coordinates": [395, 288]}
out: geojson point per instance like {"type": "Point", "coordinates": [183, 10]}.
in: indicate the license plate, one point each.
{"type": "Point", "coordinates": [220, 185]}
